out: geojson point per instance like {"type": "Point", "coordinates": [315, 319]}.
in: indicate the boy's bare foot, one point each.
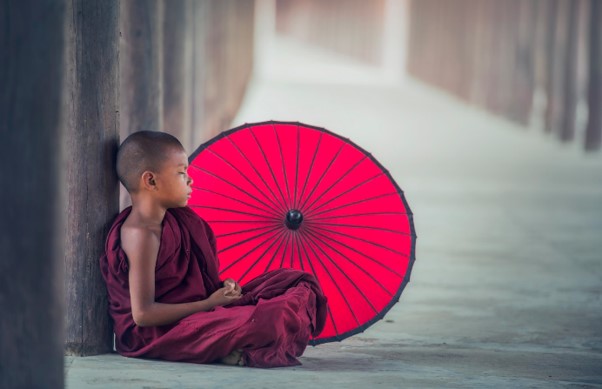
{"type": "Point", "coordinates": [233, 359]}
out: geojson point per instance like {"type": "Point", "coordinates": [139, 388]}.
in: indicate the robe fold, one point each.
{"type": "Point", "coordinates": [272, 323]}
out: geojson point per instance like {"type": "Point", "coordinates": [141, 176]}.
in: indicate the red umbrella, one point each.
{"type": "Point", "coordinates": [285, 194]}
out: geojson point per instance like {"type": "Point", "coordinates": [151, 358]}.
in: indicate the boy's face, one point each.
{"type": "Point", "coordinates": [172, 181]}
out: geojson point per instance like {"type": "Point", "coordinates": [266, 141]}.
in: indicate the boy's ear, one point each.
{"type": "Point", "coordinates": [148, 180]}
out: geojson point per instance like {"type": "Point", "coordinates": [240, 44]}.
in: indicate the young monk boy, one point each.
{"type": "Point", "coordinates": [161, 270]}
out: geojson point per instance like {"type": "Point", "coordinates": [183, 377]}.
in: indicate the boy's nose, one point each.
{"type": "Point", "coordinates": [190, 180]}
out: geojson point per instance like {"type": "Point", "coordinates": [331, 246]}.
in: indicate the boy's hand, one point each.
{"type": "Point", "coordinates": [223, 296]}
{"type": "Point", "coordinates": [233, 288]}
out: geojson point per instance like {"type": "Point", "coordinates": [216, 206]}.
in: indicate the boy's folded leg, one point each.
{"type": "Point", "coordinates": [272, 333]}
{"type": "Point", "coordinates": [279, 330]}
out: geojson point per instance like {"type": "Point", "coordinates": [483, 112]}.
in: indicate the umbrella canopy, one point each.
{"type": "Point", "coordinates": [284, 194]}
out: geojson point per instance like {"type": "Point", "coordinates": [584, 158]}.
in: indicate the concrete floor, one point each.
{"type": "Point", "coordinates": [506, 290]}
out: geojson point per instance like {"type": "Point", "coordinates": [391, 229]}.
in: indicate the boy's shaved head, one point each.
{"type": "Point", "coordinates": [142, 151]}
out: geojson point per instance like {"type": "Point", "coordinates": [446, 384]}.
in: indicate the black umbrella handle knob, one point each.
{"type": "Point", "coordinates": [293, 219]}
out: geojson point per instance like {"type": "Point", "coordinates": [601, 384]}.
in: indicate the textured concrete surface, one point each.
{"type": "Point", "coordinates": [507, 286]}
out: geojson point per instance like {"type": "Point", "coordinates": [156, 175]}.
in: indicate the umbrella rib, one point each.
{"type": "Point", "coordinates": [333, 281]}
{"type": "Point", "coordinates": [289, 239]}
{"type": "Point", "coordinates": [311, 165]}
{"type": "Point", "coordinates": [344, 274]}
{"type": "Point", "coordinates": [353, 203]}
{"type": "Point", "coordinates": [233, 211]}
{"type": "Point", "coordinates": [283, 166]}
{"type": "Point", "coordinates": [297, 238]}
{"type": "Point", "coordinates": [322, 176]}
{"type": "Point", "coordinates": [363, 240]}
{"type": "Point", "coordinates": [268, 210]}
{"type": "Point", "coordinates": [248, 239]}
{"type": "Point", "coordinates": [297, 167]}
{"type": "Point", "coordinates": [359, 226]}
{"type": "Point", "coordinates": [242, 175]}
{"type": "Point", "coordinates": [336, 331]}
{"type": "Point", "coordinates": [359, 214]}
{"type": "Point", "coordinates": [345, 192]}
{"type": "Point", "coordinates": [282, 240]}
{"type": "Point", "coordinates": [269, 166]}
{"type": "Point", "coordinates": [321, 196]}
{"type": "Point", "coordinates": [275, 199]}
{"type": "Point", "coordinates": [241, 232]}
{"type": "Point", "coordinates": [246, 254]}
{"type": "Point", "coordinates": [227, 182]}
{"type": "Point", "coordinates": [316, 236]}
{"type": "Point", "coordinates": [358, 252]}
{"type": "Point", "coordinates": [260, 256]}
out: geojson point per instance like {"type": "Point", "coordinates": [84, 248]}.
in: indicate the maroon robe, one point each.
{"type": "Point", "coordinates": [272, 322]}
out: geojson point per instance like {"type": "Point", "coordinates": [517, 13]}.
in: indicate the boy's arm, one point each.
{"type": "Point", "coordinates": [141, 247]}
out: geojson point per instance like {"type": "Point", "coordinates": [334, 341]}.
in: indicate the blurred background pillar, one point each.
{"type": "Point", "coordinates": [223, 63]}
{"type": "Point", "coordinates": [351, 27]}
{"type": "Point", "coordinates": [177, 70]}
{"type": "Point", "coordinates": [141, 66]}
{"type": "Point", "coordinates": [91, 105]}
{"type": "Point", "coordinates": [593, 136]}
{"type": "Point", "coordinates": [31, 222]}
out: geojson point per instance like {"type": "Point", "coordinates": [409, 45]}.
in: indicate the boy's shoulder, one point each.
{"type": "Point", "coordinates": [135, 236]}
{"type": "Point", "coordinates": [135, 228]}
